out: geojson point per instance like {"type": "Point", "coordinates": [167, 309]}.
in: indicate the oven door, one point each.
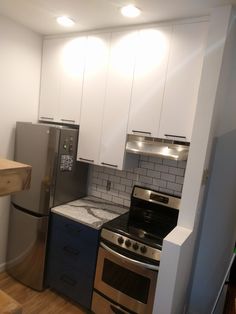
{"type": "Point", "coordinates": [125, 281]}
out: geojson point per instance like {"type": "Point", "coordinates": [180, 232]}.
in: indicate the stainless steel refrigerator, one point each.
{"type": "Point", "coordinates": [57, 178]}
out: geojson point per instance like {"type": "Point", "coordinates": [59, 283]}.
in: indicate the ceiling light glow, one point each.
{"type": "Point", "coordinates": [65, 21]}
{"type": "Point", "coordinates": [130, 11]}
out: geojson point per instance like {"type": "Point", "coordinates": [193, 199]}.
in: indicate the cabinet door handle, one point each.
{"type": "Point", "coordinates": [110, 165]}
{"type": "Point", "coordinates": [46, 118]}
{"type": "Point", "coordinates": [85, 159]}
{"type": "Point", "coordinates": [68, 280]}
{"type": "Point", "coordinates": [67, 120]}
{"type": "Point", "coordinates": [70, 250]}
{"type": "Point", "coordinates": [143, 132]}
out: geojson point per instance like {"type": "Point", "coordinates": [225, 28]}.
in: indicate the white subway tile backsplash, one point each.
{"type": "Point", "coordinates": [126, 203]}
{"type": "Point", "coordinates": [140, 171]}
{"type": "Point", "coordinates": [159, 183]}
{"type": "Point", "coordinates": [156, 173]}
{"type": "Point", "coordinates": [107, 197]}
{"type": "Point", "coordinates": [144, 158]}
{"type": "Point", "coordinates": [119, 187]}
{"type": "Point", "coordinates": [132, 176]}
{"type": "Point", "coordinates": [176, 171]}
{"type": "Point", "coordinates": [174, 186]}
{"type": "Point", "coordinates": [168, 177]}
{"type": "Point", "coordinates": [146, 165]}
{"type": "Point", "coordinates": [153, 174]}
{"type": "Point", "coordinates": [114, 178]}
{"type": "Point", "coordinates": [179, 180]}
{"type": "Point", "coordinates": [128, 189]}
{"type": "Point", "coordinates": [118, 200]}
{"type": "Point", "coordinates": [104, 176]}
{"type": "Point", "coordinates": [182, 164]}
{"type": "Point", "coordinates": [161, 168]}
{"type": "Point", "coordinates": [170, 162]}
{"type": "Point", "coordinates": [145, 180]}
{"type": "Point", "coordinates": [126, 182]}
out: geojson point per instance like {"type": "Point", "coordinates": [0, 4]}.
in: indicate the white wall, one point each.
{"type": "Point", "coordinates": [218, 227]}
{"type": "Point", "coordinates": [172, 288]}
{"type": "Point", "coordinates": [20, 63]}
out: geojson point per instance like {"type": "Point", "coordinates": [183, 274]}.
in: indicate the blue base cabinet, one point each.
{"type": "Point", "coordinates": [71, 262]}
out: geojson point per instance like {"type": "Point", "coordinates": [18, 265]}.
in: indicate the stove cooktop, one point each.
{"type": "Point", "coordinates": [152, 216]}
{"type": "Point", "coordinates": [122, 226]}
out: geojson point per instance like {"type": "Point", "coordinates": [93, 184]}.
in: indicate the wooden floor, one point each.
{"type": "Point", "coordinates": [230, 304]}
{"type": "Point", "coordinates": [33, 302]}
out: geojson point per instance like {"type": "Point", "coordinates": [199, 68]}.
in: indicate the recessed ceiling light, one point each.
{"type": "Point", "coordinates": [130, 11]}
{"type": "Point", "coordinates": [65, 21]}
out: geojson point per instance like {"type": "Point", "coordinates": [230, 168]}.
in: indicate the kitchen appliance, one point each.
{"type": "Point", "coordinates": [129, 253]}
{"type": "Point", "coordinates": [171, 148]}
{"type": "Point", "coordinates": [56, 178]}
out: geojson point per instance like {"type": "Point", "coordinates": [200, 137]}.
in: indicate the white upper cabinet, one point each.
{"type": "Point", "coordinates": [62, 80]}
{"type": "Point", "coordinates": [152, 52]}
{"type": "Point", "coordinates": [183, 79]}
{"type": "Point", "coordinates": [50, 79]}
{"type": "Point", "coordinates": [95, 78]}
{"type": "Point", "coordinates": [117, 100]}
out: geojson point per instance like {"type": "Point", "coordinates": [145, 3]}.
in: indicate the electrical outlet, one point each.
{"type": "Point", "coordinates": [108, 187]}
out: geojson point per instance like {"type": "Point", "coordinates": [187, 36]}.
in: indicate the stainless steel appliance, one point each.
{"type": "Point", "coordinates": [173, 147]}
{"type": "Point", "coordinates": [129, 254]}
{"type": "Point", "coordinates": [56, 178]}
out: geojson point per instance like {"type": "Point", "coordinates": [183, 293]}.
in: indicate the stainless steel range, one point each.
{"type": "Point", "coordinates": [129, 253]}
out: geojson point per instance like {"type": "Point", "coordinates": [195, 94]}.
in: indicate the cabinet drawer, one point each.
{"type": "Point", "coordinates": [83, 257]}
{"type": "Point", "coordinates": [74, 284]}
{"type": "Point", "coordinates": [75, 233]}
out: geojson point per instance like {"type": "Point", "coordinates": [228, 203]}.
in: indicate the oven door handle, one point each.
{"type": "Point", "coordinates": [146, 265]}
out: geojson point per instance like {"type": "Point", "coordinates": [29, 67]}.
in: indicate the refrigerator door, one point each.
{"type": "Point", "coordinates": [37, 145]}
{"type": "Point", "coordinates": [71, 175]}
{"type": "Point", "coordinates": [27, 248]}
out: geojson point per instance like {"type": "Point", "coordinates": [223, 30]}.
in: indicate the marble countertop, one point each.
{"type": "Point", "coordinates": [90, 210]}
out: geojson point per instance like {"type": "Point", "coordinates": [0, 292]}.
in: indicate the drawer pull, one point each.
{"type": "Point", "coordinates": [46, 118]}
{"type": "Point", "coordinates": [71, 251]}
{"type": "Point", "coordinates": [110, 165]}
{"type": "Point", "coordinates": [85, 159]}
{"type": "Point", "coordinates": [69, 281]}
{"type": "Point", "coordinates": [143, 132]}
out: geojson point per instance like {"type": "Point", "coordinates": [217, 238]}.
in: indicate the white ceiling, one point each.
{"type": "Point", "coordinates": [40, 15]}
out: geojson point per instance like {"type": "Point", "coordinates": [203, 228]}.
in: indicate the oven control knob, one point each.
{"type": "Point", "coordinates": [135, 246]}
{"type": "Point", "coordinates": [128, 243]}
{"type": "Point", "coordinates": [143, 249]}
{"type": "Point", "coordinates": [120, 240]}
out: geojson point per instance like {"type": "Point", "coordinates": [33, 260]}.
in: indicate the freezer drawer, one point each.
{"type": "Point", "coordinates": [27, 248]}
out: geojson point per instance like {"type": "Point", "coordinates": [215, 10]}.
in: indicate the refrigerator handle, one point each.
{"type": "Point", "coordinates": [53, 180]}
{"type": "Point", "coordinates": [51, 168]}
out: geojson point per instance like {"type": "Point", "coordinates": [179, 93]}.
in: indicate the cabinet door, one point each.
{"type": "Point", "coordinates": [62, 80]}
{"type": "Point", "coordinates": [149, 79]}
{"type": "Point", "coordinates": [116, 109]}
{"type": "Point", "coordinates": [183, 78]}
{"type": "Point", "coordinates": [72, 63]}
{"type": "Point", "coordinates": [94, 89]}
{"type": "Point", "coordinates": [50, 79]}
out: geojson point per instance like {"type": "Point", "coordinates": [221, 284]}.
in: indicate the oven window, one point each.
{"type": "Point", "coordinates": [130, 283]}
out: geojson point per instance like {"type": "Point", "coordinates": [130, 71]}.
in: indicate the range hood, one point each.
{"type": "Point", "coordinates": [156, 147]}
